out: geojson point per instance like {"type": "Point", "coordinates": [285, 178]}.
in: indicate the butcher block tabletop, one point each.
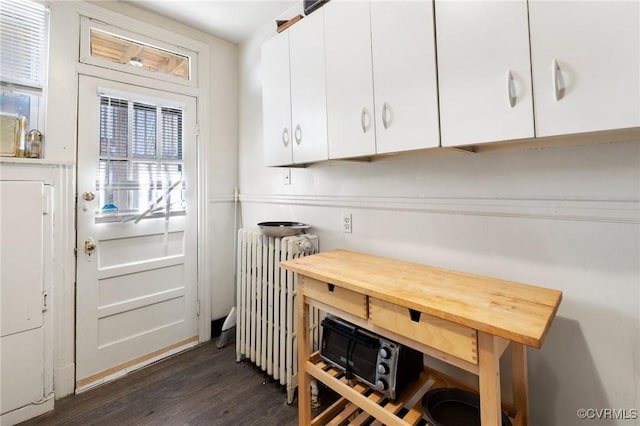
{"type": "Point", "coordinates": [519, 312]}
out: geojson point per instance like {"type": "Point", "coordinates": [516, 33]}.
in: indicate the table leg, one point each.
{"type": "Point", "coordinates": [520, 381]}
{"type": "Point", "coordinates": [489, 378]}
{"type": "Point", "coordinates": [304, 391]}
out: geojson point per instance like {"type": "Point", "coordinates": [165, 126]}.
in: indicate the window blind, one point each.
{"type": "Point", "coordinates": [22, 42]}
{"type": "Point", "coordinates": [171, 145]}
{"type": "Point", "coordinates": [114, 127]}
{"type": "Point", "coordinates": [140, 155]}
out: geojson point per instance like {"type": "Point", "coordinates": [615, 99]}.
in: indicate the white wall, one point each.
{"type": "Point", "coordinates": [218, 164]}
{"type": "Point", "coordinates": [565, 218]}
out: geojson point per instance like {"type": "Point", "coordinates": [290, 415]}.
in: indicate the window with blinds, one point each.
{"type": "Point", "coordinates": [140, 169]}
{"type": "Point", "coordinates": [23, 41]}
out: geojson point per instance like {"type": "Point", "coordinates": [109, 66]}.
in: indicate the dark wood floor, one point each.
{"type": "Point", "coordinates": [202, 386]}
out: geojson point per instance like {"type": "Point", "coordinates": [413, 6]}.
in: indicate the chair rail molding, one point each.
{"type": "Point", "coordinates": [590, 210]}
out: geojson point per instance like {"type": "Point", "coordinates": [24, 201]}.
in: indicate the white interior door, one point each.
{"type": "Point", "coordinates": [136, 230]}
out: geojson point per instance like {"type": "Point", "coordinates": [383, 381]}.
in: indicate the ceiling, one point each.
{"type": "Point", "coordinates": [233, 20]}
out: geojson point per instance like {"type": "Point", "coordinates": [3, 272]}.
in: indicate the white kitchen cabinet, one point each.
{"type": "Point", "coordinates": [26, 234]}
{"type": "Point", "coordinates": [404, 76]}
{"type": "Point", "coordinates": [350, 108]}
{"type": "Point", "coordinates": [308, 90]}
{"type": "Point", "coordinates": [383, 51]}
{"type": "Point", "coordinates": [484, 71]}
{"type": "Point", "coordinates": [276, 101]}
{"type": "Point", "coordinates": [293, 94]}
{"type": "Point", "coordinates": [586, 65]}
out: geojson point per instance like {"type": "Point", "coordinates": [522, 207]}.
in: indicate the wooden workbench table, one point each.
{"type": "Point", "coordinates": [463, 319]}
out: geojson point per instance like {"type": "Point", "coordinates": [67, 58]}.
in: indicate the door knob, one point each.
{"type": "Point", "coordinates": [89, 246]}
{"type": "Point", "coordinates": [88, 196]}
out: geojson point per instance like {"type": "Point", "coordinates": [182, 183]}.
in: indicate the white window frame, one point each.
{"type": "Point", "coordinates": [87, 24]}
{"type": "Point", "coordinates": [35, 90]}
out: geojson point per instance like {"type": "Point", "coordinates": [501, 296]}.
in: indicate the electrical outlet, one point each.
{"type": "Point", "coordinates": [287, 176]}
{"type": "Point", "coordinates": [347, 222]}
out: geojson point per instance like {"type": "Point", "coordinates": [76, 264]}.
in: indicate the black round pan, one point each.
{"type": "Point", "coordinates": [454, 407]}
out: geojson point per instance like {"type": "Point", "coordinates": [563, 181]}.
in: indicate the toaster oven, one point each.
{"type": "Point", "coordinates": [381, 363]}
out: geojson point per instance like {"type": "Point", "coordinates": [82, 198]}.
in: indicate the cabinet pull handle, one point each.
{"type": "Point", "coordinates": [558, 81]}
{"type": "Point", "coordinates": [364, 117]}
{"type": "Point", "coordinates": [298, 134]}
{"type": "Point", "coordinates": [285, 137]}
{"type": "Point", "coordinates": [511, 90]}
{"type": "Point", "coordinates": [386, 115]}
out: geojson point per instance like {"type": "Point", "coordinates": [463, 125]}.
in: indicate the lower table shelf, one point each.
{"type": "Point", "coordinates": [360, 404]}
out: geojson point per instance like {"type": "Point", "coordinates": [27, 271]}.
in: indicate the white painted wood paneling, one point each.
{"type": "Point", "coordinates": [404, 76]}
{"type": "Point", "coordinates": [596, 46]}
{"type": "Point", "coordinates": [350, 107]}
{"type": "Point", "coordinates": [479, 44]}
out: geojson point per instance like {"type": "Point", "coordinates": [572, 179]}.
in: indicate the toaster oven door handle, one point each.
{"type": "Point", "coordinates": [352, 333]}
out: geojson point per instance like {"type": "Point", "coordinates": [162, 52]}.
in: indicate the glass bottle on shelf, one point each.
{"type": "Point", "coordinates": [34, 144]}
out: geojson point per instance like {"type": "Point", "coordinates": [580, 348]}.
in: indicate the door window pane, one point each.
{"type": "Point", "coordinates": [144, 131]}
{"type": "Point", "coordinates": [171, 146]}
{"type": "Point", "coordinates": [134, 176]}
{"type": "Point", "coordinates": [114, 127]}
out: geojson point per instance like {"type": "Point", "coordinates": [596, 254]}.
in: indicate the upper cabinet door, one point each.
{"type": "Point", "coordinates": [404, 76]}
{"type": "Point", "coordinates": [350, 115]}
{"type": "Point", "coordinates": [585, 65]}
{"type": "Point", "coordinates": [276, 101]}
{"type": "Point", "coordinates": [308, 94]}
{"type": "Point", "coordinates": [484, 71]}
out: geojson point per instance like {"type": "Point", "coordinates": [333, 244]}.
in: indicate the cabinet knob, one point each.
{"type": "Point", "coordinates": [285, 137]}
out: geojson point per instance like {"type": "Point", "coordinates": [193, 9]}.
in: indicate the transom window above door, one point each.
{"type": "Point", "coordinates": [124, 51]}
{"type": "Point", "coordinates": [111, 47]}
{"type": "Point", "coordinates": [140, 168]}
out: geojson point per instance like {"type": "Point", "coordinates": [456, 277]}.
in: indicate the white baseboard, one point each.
{"type": "Point", "coordinates": [27, 412]}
